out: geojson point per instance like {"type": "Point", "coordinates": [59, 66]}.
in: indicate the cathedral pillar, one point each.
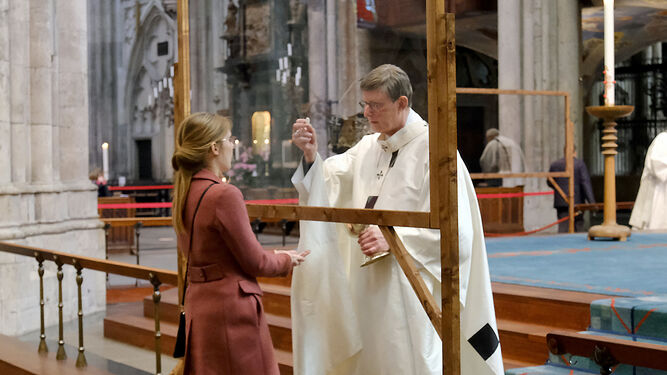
{"type": "Point", "coordinates": [539, 43]}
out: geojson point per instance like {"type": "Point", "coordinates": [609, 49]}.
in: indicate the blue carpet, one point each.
{"type": "Point", "coordinates": [637, 267]}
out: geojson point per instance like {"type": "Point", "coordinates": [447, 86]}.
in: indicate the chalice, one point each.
{"type": "Point", "coordinates": [355, 230]}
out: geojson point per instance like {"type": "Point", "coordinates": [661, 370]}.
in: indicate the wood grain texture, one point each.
{"type": "Point", "coordinates": [412, 273]}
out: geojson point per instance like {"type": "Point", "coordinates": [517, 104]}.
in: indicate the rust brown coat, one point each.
{"type": "Point", "coordinates": [226, 329]}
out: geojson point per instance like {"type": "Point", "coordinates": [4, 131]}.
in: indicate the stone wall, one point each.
{"type": "Point", "coordinates": [46, 199]}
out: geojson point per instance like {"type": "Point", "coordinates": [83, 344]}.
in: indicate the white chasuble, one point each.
{"type": "Point", "coordinates": [651, 201]}
{"type": "Point", "coordinates": [352, 320]}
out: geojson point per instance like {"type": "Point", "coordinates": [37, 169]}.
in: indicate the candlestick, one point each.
{"type": "Point", "coordinates": [609, 52]}
{"type": "Point", "coordinates": [105, 160]}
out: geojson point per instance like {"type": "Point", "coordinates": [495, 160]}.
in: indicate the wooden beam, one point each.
{"type": "Point", "coordinates": [441, 76]}
{"type": "Point", "coordinates": [340, 215]}
{"type": "Point", "coordinates": [182, 68]}
{"type": "Point", "coordinates": [408, 266]}
{"type": "Point", "coordinates": [626, 351]}
{"type": "Point", "coordinates": [476, 176]}
{"type": "Point", "coordinates": [558, 189]}
{"type": "Point", "coordinates": [474, 90]}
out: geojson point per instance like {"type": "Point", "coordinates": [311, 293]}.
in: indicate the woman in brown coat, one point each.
{"type": "Point", "coordinates": [226, 330]}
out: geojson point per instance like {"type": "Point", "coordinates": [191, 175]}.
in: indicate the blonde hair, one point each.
{"type": "Point", "coordinates": [195, 136]}
{"type": "Point", "coordinates": [390, 79]}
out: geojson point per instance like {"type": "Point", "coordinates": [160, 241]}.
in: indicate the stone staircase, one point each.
{"type": "Point", "coordinates": [635, 320]}
{"type": "Point", "coordinates": [525, 315]}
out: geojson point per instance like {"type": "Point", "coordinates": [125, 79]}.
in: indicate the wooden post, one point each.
{"type": "Point", "coordinates": [569, 162]}
{"type": "Point", "coordinates": [181, 111]}
{"type": "Point", "coordinates": [414, 277]}
{"type": "Point", "coordinates": [441, 60]}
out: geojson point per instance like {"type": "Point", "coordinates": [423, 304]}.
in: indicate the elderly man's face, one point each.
{"type": "Point", "coordinates": [384, 115]}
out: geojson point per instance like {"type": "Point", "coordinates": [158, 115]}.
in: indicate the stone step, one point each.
{"type": "Point", "coordinates": [546, 370]}
{"type": "Point", "coordinates": [559, 309]}
{"type": "Point", "coordinates": [523, 342]}
{"type": "Point", "coordinates": [128, 324]}
{"type": "Point", "coordinates": [21, 358]}
{"type": "Point", "coordinates": [642, 316]}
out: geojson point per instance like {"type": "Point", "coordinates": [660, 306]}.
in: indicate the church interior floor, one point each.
{"type": "Point", "coordinates": [572, 262]}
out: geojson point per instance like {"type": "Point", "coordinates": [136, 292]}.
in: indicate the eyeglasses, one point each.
{"type": "Point", "coordinates": [372, 105]}
{"type": "Point", "coordinates": [231, 139]}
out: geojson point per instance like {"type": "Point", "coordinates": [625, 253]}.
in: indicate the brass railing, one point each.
{"type": "Point", "coordinates": [156, 277]}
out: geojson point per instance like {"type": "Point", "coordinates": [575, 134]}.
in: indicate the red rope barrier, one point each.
{"type": "Point", "coordinates": [103, 206]}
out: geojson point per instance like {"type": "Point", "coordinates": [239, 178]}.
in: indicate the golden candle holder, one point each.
{"type": "Point", "coordinates": [609, 227]}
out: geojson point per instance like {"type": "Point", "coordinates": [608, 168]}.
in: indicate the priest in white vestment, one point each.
{"type": "Point", "coordinates": [352, 320]}
{"type": "Point", "coordinates": [649, 210]}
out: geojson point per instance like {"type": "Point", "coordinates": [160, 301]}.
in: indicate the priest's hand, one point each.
{"type": "Point", "coordinates": [372, 241]}
{"type": "Point", "coordinates": [303, 137]}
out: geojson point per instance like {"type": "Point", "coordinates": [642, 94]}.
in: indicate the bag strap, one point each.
{"type": "Point", "coordinates": [192, 234]}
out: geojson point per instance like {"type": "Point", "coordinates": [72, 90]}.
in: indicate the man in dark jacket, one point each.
{"type": "Point", "coordinates": [583, 191]}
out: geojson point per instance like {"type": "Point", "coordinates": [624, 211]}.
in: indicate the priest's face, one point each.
{"type": "Point", "coordinates": [385, 116]}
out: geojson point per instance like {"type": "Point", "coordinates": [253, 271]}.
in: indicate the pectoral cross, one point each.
{"type": "Point", "coordinates": [379, 175]}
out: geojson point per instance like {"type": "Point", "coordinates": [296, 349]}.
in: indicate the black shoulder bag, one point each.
{"type": "Point", "coordinates": [179, 348]}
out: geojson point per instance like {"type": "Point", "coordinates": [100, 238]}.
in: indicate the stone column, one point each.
{"type": "Point", "coordinates": [45, 196]}
{"type": "Point", "coordinates": [317, 73]}
{"type": "Point", "coordinates": [42, 53]}
{"type": "Point", "coordinates": [539, 46]}
{"type": "Point", "coordinates": [19, 73]}
{"type": "Point", "coordinates": [5, 112]}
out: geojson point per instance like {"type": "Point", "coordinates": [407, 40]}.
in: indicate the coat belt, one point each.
{"type": "Point", "coordinates": [204, 274]}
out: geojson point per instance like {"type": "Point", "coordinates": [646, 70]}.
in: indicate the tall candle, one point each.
{"type": "Point", "coordinates": [236, 150]}
{"type": "Point", "coordinates": [609, 52]}
{"type": "Point", "coordinates": [105, 160]}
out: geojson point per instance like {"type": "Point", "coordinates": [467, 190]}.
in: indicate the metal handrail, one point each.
{"type": "Point", "coordinates": [156, 277]}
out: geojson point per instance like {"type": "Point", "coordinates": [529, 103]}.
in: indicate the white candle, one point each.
{"type": "Point", "coordinates": [105, 160]}
{"type": "Point", "coordinates": [289, 49]}
{"type": "Point", "coordinates": [609, 52]}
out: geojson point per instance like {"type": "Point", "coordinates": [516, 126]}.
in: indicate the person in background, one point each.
{"type": "Point", "coordinates": [97, 177]}
{"type": "Point", "coordinates": [226, 329]}
{"type": "Point", "coordinates": [583, 191]}
{"type": "Point", "coordinates": [650, 210]}
{"type": "Point", "coordinates": [501, 155]}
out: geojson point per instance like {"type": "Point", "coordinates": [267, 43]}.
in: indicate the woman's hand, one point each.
{"type": "Point", "coordinates": [297, 258]}
{"type": "Point", "coordinates": [372, 241]}
{"type": "Point", "coordinates": [303, 137]}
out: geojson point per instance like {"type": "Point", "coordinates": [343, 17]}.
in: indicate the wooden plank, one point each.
{"type": "Point", "coordinates": [474, 90]}
{"type": "Point", "coordinates": [341, 215]}
{"type": "Point", "coordinates": [448, 209]}
{"type": "Point", "coordinates": [476, 176]}
{"type": "Point", "coordinates": [145, 221]}
{"type": "Point", "coordinates": [108, 266]}
{"type": "Point", "coordinates": [408, 266]}
{"type": "Point", "coordinates": [558, 189]}
{"type": "Point", "coordinates": [441, 76]}
{"type": "Point", "coordinates": [624, 351]}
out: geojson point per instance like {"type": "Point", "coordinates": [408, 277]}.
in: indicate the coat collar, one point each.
{"type": "Point", "coordinates": [205, 174]}
{"type": "Point", "coordinates": [414, 126]}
